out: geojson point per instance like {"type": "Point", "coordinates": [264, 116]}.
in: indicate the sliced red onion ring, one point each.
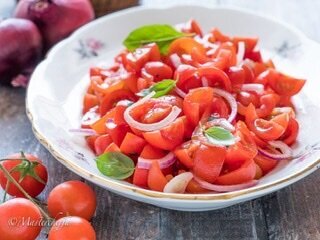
{"type": "Point", "coordinates": [225, 188]}
{"type": "Point", "coordinates": [179, 183]}
{"type": "Point", "coordinates": [180, 92]}
{"type": "Point", "coordinates": [175, 111]}
{"type": "Point", "coordinates": [241, 52]}
{"type": "Point", "coordinates": [231, 100]}
{"type": "Point", "coordinates": [286, 151]}
{"type": "Point", "coordinates": [83, 131]}
{"type": "Point", "coordinates": [253, 87]}
{"type": "Point", "coordinates": [204, 82]}
{"type": "Point", "coordinates": [164, 162]}
{"type": "Point", "coordinates": [175, 59]}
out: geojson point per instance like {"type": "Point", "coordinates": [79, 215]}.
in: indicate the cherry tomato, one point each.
{"type": "Point", "coordinates": [13, 214]}
{"type": "Point", "coordinates": [72, 227]}
{"type": "Point", "coordinates": [32, 175]}
{"type": "Point", "coordinates": [73, 198]}
{"type": "Point", "coordinates": [157, 70]}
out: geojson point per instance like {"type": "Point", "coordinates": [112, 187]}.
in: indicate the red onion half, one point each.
{"type": "Point", "coordinates": [56, 19]}
{"type": "Point", "coordinates": [21, 47]}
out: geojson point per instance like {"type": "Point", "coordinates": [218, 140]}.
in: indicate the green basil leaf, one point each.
{"type": "Point", "coordinates": [115, 165]}
{"type": "Point", "coordinates": [219, 135]}
{"type": "Point", "coordinates": [160, 34]}
{"type": "Point", "coordinates": [160, 88]}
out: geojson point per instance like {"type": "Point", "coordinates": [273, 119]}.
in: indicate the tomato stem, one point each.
{"type": "Point", "coordinates": [8, 175]}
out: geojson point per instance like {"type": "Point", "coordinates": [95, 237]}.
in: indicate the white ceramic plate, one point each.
{"type": "Point", "coordinates": [55, 93]}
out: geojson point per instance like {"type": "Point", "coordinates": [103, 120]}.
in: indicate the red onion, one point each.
{"type": "Point", "coordinates": [176, 60]}
{"type": "Point", "coordinates": [56, 19]}
{"type": "Point", "coordinates": [241, 52]}
{"type": "Point", "coordinates": [204, 82]}
{"type": "Point", "coordinates": [230, 99]}
{"type": "Point", "coordinates": [21, 47]}
{"type": "Point", "coordinates": [253, 87]}
{"type": "Point", "coordinates": [180, 92]}
{"type": "Point", "coordinates": [164, 162]}
{"type": "Point", "coordinates": [83, 131]}
{"type": "Point", "coordinates": [286, 151]}
{"type": "Point", "coordinates": [225, 188]}
{"type": "Point", "coordinates": [175, 111]}
{"type": "Point", "coordinates": [179, 183]}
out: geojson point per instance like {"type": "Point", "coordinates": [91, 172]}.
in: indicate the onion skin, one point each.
{"type": "Point", "coordinates": [56, 19]}
{"type": "Point", "coordinates": [21, 48]}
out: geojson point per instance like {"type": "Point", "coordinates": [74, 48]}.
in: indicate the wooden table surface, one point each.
{"type": "Point", "coordinates": [292, 213]}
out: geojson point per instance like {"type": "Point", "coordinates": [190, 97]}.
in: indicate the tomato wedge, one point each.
{"type": "Point", "coordinates": [215, 75]}
{"type": "Point", "coordinates": [156, 179]}
{"type": "Point", "coordinates": [186, 45]}
{"type": "Point", "coordinates": [111, 99]}
{"type": "Point", "coordinates": [245, 173]}
{"type": "Point", "coordinates": [140, 176]}
{"type": "Point", "coordinates": [208, 162]}
{"type": "Point", "coordinates": [286, 85]}
{"type": "Point", "coordinates": [132, 144]}
{"type": "Point", "coordinates": [137, 59]}
{"type": "Point", "coordinates": [266, 164]}
{"type": "Point", "coordinates": [90, 100]}
{"type": "Point", "coordinates": [101, 143]}
{"type": "Point", "coordinates": [167, 138]}
{"type": "Point", "coordinates": [196, 102]}
{"type": "Point", "coordinates": [267, 130]}
{"type": "Point", "coordinates": [185, 153]}
{"type": "Point", "coordinates": [291, 133]}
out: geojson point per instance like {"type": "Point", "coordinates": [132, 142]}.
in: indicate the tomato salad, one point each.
{"type": "Point", "coordinates": [181, 111]}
